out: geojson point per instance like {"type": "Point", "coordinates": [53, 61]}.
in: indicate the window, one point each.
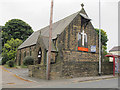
{"type": "Point", "coordinates": [24, 54]}
{"type": "Point", "coordinates": [30, 52]}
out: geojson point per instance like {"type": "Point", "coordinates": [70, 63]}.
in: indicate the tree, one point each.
{"type": "Point", "coordinates": [16, 28]}
{"type": "Point", "coordinates": [104, 40]}
{"type": "Point", "coordinates": [10, 49]}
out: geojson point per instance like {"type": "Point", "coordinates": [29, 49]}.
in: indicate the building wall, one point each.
{"type": "Point", "coordinates": [69, 70]}
{"type": "Point", "coordinates": [113, 53]}
{"type": "Point", "coordinates": [68, 42]}
{"type": "Point", "coordinates": [34, 53]}
{"type": "Point", "coordinates": [21, 54]}
{"type": "Point", "coordinates": [71, 62]}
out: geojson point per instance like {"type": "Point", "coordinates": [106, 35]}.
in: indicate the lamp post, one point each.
{"type": "Point", "coordinates": [99, 38]}
{"type": "Point", "coordinates": [50, 40]}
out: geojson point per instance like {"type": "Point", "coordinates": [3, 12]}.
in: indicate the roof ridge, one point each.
{"type": "Point", "coordinates": [58, 20]}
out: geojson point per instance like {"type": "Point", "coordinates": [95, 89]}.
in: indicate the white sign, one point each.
{"type": "Point", "coordinates": [93, 48]}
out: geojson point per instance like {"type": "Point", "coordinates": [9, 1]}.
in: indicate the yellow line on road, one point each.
{"type": "Point", "coordinates": [14, 74]}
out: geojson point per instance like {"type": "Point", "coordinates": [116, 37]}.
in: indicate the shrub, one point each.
{"type": "Point", "coordinates": [28, 61]}
{"type": "Point", "coordinates": [10, 63]}
{"type": "Point", "coordinates": [4, 60]}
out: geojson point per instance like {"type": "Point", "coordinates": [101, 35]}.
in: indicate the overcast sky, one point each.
{"type": "Point", "coordinates": [37, 13]}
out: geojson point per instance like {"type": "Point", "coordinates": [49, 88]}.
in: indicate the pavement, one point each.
{"type": "Point", "coordinates": [11, 77]}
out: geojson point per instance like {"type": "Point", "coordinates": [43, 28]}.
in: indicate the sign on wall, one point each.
{"type": "Point", "coordinates": [93, 48]}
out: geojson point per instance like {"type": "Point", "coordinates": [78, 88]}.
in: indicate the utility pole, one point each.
{"type": "Point", "coordinates": [50, 40]}
{"type": "Point", "coordinates": [99, 38]}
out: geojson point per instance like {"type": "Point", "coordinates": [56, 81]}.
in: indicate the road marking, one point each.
{"type": "Point", "coordinates": [14, 74]}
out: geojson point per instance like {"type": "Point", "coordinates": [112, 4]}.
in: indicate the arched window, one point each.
{"type": "Point", "coordinates": [19, 63]}
{"type": "Point", "coordinates": [30, 52]}
{"type": "Point", "coordinates": [24, 54]}
{"type": "Point", "coordinates": [79, 40]}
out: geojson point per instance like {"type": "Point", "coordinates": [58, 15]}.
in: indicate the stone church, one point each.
{"type": "Point", "coordinates": [75, 49]}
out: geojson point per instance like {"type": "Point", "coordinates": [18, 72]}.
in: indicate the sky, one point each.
{"type": "Point", "coordinates": [37, 13]}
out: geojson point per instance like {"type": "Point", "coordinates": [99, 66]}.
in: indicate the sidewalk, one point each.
{"type": "Point", "coordinates": [23, 73]}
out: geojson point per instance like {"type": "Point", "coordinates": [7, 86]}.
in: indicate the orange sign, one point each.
{"type": "Point", "coordinates": [82, 49]}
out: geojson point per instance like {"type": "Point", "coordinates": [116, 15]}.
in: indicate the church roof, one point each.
{"type": "Point", "coordinates": [31, 40]}
{"type": "Point", "coordinates": [57, 28]}
{"type": "Point", "coordinates": [117, 48]}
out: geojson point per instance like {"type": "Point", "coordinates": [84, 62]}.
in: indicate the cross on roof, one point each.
{"type": "Point", "coordinates": [82, 5]}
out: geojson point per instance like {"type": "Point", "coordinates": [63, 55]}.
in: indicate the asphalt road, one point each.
{"type": "Point", "coordinates": [111, 83]}
{"type": "Point", "coordinates": [10, 80]}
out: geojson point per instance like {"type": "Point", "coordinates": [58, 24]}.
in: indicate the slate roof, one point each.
{"type": "Point", "coordinates": [117, 48]}
{"type": "Point", "coordinates": [57, 28]}
{"type": "Point", "coordinates": [31, 40]}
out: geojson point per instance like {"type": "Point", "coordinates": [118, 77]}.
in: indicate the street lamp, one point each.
{"type": "Point", "coordinates": [99, 38]}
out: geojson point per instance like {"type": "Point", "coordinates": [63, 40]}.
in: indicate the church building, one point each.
{"type": "Point", "coordinates": [74, 51]}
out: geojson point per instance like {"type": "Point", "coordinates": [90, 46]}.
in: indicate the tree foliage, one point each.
{"type": "Point", "coordinates": [16, 28]}
{"type": "Point", "coordinates": [10, 49]}
{"type": "Point", "coordinates": [104, 40]}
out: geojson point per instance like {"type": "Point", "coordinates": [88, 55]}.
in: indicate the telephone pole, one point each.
{"type": "Point", "coordinates": [50, 40]}
{"type": "Point", "coordinates": [99, 38]}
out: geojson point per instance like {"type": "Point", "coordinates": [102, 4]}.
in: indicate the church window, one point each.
{"type": "Point", "coordinates": [30, 52]}
{"type": "Point", "coordinates": [27, 53]}
{"type": "Point", "coordinates": [19, 58]}
{"type": "Point", "coordinates": [24, 54]}
{"type": "Point", "coordinates": [79, 39]}
{"type": "Point", "coordinates": [82, 41]}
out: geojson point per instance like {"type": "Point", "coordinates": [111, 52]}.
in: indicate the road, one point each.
{"type": "Point", "coordinates": [111, 83]}
{"type": "Point", "coordinates": [10, 80]}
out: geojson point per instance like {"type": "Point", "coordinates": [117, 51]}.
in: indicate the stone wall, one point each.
{"type": "Point", "coordinates": [68, 39]}
{"type": "Point", "coordinates": [107, 68]}
{"type": "Point", "coordinates": [21, 54]}
{"type": "Point", "coordinates": [38, 71]}
{"type": "Point", "coordinates": [70, 69]}
{"type": "Point", "coordinates": [79, 56]}
{"type": "Point", "coordinates": [73, 69]}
